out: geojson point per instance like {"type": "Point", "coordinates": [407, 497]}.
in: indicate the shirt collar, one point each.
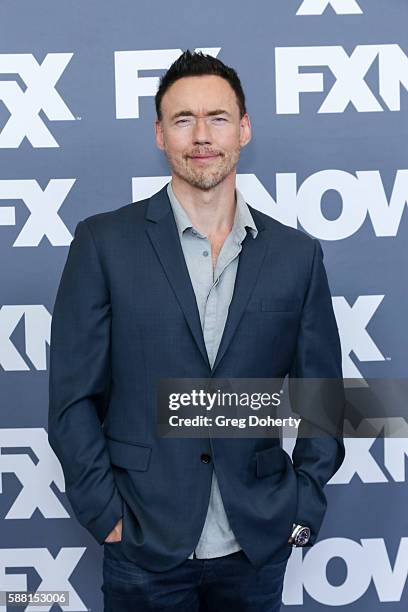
{"type": "Point", "coordinates": [242, 220]}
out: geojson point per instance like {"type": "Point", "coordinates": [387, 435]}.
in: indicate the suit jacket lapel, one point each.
{"type": "Point", "coordinates": [162, 231]}
{"type": "Point", "coordinates": [249, 264]}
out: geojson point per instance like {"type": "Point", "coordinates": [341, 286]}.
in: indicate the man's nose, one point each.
{"type": "Point", "coordinates": [201, 132]}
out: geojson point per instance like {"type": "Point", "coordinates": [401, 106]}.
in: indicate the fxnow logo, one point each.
{"type": "Point", "coordinates": [362, 196]}
{"type": "Point", "coordinates": [367, 561]}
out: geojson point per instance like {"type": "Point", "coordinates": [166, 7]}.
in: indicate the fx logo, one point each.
{"type": "Point", "coordinates": [43, 206]}
{"type": "Point", "coordinates": [349, 72]}
{"type": "Point", "coordinates": [37, 328]}
{"type": "Point", "coordinates": [35, 477]}
{"type": "Point", "coordinates": [54, 574]}
{"type": "Point", "coordinates": [25, 105]}
{"type": "Point", "coordinates": [130, 86]}
{"type": "Point", "coordinates": [317, 7]}
{"type": "Point", "coordinates": [366, 561]}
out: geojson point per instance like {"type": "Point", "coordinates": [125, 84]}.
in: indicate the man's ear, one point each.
{"type": "Point", "coordinates": [245, 130]}
{"type": "Point", "coordinates": [159, 134]}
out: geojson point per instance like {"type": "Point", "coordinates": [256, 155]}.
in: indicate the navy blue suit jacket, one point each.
{"type": "Point", "coordinates": [125, 316]}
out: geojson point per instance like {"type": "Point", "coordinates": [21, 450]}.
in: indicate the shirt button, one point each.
{"type": "Point", "coordinates": [193, 231]}
{"type": "Point", "coordinates": [205, 458]}
{"type": "Point", "coordinates": [205, 253]}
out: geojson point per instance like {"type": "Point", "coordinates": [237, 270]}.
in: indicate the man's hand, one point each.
{"type": "Point", "coordinates": [116, 533]}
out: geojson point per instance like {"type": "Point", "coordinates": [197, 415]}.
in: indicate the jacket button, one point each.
{"type": "Point", "coordinates": [205, 458]}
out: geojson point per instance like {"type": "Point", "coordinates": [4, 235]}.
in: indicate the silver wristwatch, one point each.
{"type": "Point", "coordinates": [300, 535]}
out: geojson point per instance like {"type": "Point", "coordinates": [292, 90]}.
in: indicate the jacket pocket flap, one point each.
{"type": "Point", "coordinates": [271, 461]}
{"type": "Point", "coordinates": [128, 455]}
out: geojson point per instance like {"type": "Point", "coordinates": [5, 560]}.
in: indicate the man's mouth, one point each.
{"type": "Point", "coordinates": [204, 156]}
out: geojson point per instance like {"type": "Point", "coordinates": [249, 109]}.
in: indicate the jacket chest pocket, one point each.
{"type": "Point", "coordinates": [281, 305]}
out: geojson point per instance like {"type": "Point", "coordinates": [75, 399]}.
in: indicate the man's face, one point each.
{"type": "Point", "coordinates": [201, 131]}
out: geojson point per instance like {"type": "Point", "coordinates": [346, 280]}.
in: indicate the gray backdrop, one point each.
{"type": "Point", "coordinates": [326, 91]}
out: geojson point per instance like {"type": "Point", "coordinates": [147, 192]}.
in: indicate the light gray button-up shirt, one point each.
{"type": "Point", "coordinates": [213, 290]}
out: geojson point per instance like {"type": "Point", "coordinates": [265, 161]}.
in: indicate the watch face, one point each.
{"type": "Point", "coordinates": [302, 536]}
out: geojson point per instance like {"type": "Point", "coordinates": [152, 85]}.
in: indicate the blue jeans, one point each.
{"type": "Point", "coordinates": [221, 584]}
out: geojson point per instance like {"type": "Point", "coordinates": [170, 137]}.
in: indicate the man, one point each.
{"type": "Point", "coordinates": [190, 283]}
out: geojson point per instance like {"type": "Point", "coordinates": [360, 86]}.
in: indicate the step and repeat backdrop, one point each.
{"type": "Point", "coordinates": [326, 84]}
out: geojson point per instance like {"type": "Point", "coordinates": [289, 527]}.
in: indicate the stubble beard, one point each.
{"type": "Point", "coordinates": [204, 178]}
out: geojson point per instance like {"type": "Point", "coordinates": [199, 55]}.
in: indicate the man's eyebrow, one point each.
{"type": "Point", "coordinates": [218, 111]}
{"type": "Point", "coordinates": [189, 113]}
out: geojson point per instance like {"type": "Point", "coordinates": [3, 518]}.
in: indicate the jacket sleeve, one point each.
{"type": "Point", "coordinates": [79, 386]}
{"type": "Point", "coordinates": [319, 449]}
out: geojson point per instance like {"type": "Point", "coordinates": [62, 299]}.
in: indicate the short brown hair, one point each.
{"type": "Point", "coordinates": [198, 64]}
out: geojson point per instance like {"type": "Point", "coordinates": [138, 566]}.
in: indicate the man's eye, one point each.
{"type": "Point", "coordinates": [182, 121]}
{"type": "Point", "coordinates": [219, 119]}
